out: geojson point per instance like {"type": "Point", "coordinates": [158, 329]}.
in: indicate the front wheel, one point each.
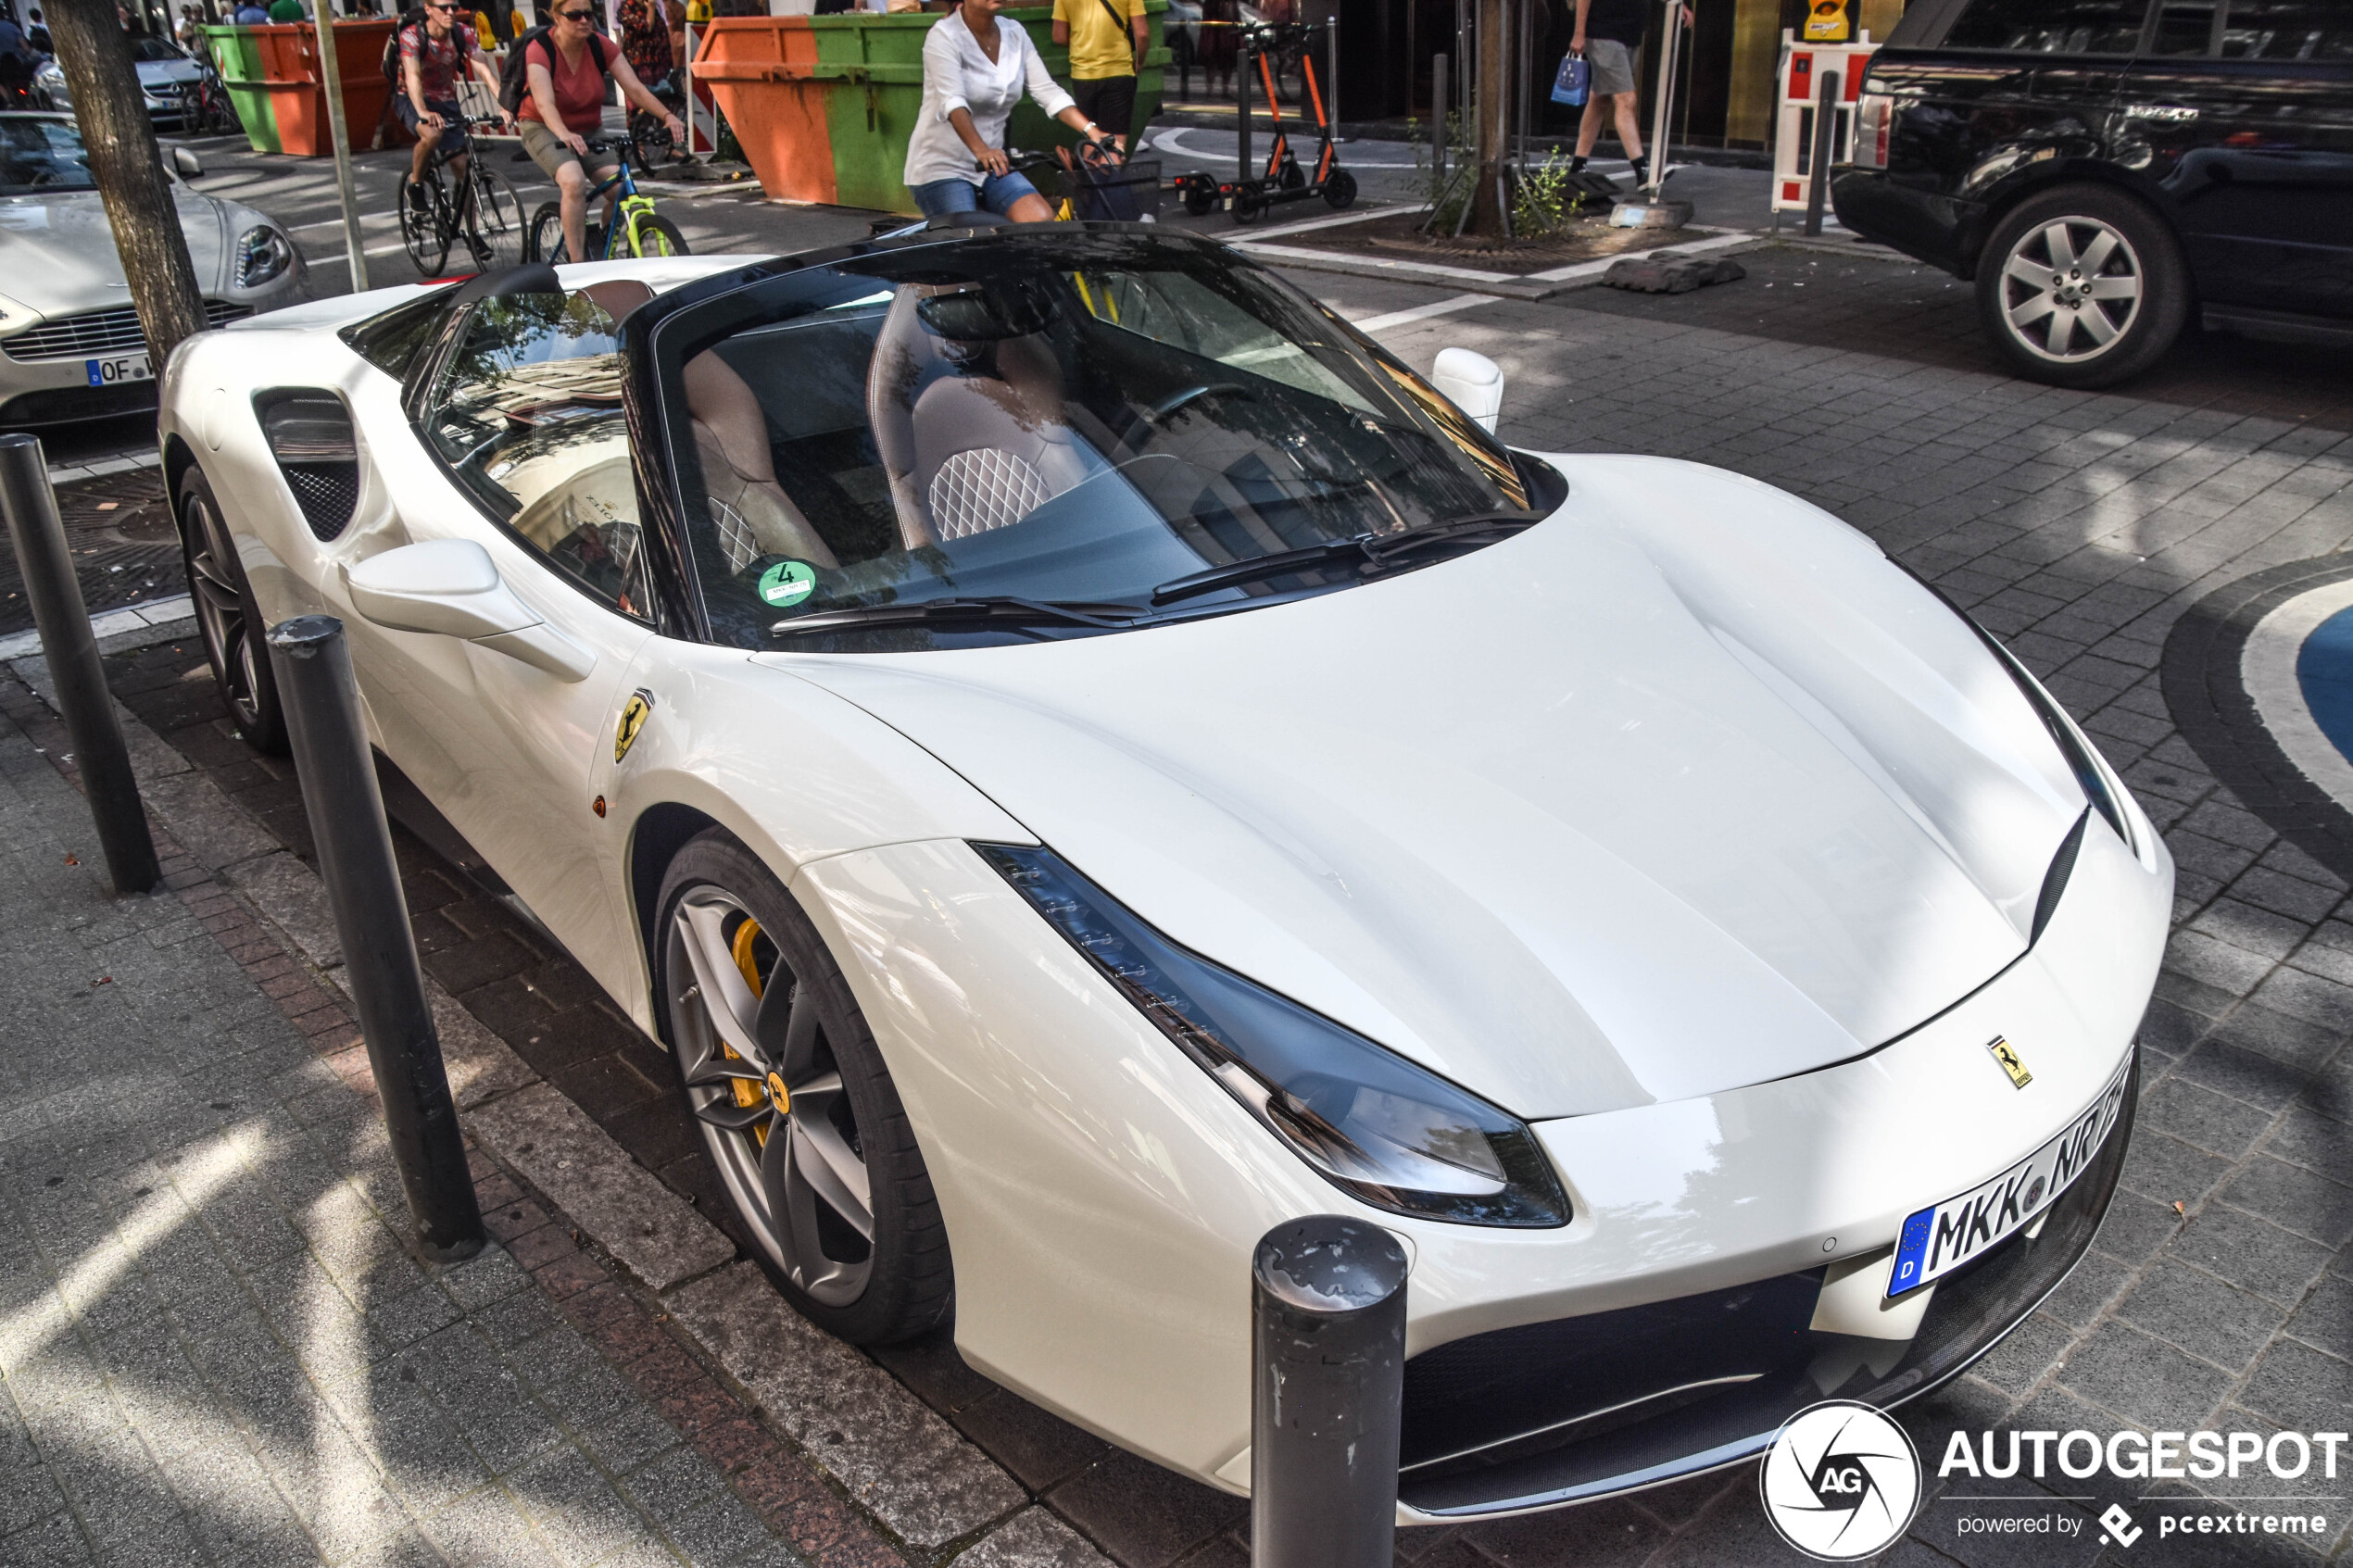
{"type": "Point", "coordinates": [2082, 286]}
{"type": "Point", "coordinates": [544, 240]}
{"type": "Point", "coordinates": [657, 235]}
{"type": "Point", "coordinates": [783, 1081]}
{"type": "Point", "coordinates": [421, 231]}
{"type": "Point", "coordinates": [1339, 189]}
{"type": "Point", "coordinates": [494, 223]}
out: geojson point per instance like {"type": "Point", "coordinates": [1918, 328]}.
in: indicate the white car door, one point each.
{"type": "Point", "coordinates": [525, 454]}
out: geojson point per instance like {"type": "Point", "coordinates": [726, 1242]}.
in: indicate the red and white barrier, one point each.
{"type": "Point", "coordinates": [1797, 99]}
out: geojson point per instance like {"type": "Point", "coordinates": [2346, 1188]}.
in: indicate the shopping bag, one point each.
{"type": "Point", "coordinates": [1575, 81]}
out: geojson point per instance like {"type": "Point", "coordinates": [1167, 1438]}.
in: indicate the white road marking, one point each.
{"type": "Point", "coordinates": [1396, 319]}
{"type": "Point", "coordinates": [2268, 666]}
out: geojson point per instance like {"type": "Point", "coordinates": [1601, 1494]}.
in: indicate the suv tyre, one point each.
{"type": "Point", "coordinates": [2082, 286]}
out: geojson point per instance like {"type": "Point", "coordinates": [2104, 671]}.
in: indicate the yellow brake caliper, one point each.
{"type": "Point", "coordinates": [747, 1094]}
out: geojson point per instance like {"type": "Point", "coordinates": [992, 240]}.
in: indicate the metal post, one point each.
{"type": "Point", "coordinates": [1439, 143]}
{"type": "Point", "coordinates": [1244, 65]}
{"type": "Point", "coordinates": [1328, 1335]}
{"type": "Point", "coordinates": [1817, 178]}
{"type": "Point", "coordinates": [346, 813]}
{"type": "Point", "coordinates": [1660, 123]}
{"type": "Point", "coordinates": [331, 74]}
{"type": "Point", "coordinates": [1331, 73]}
{"type": "Point", "coordinates": [45, 562]}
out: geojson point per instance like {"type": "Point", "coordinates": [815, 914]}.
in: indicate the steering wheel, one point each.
{"type": "Point", "coordinates": [1168, 406]}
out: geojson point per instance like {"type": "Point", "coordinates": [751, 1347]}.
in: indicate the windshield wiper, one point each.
{"type": "Point", "coordinates": [1001, 608]}
{"type": "Point", "coordinates": [1368, 552]}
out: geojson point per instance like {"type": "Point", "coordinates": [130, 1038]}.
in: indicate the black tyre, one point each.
{"type": "Point", "coordinates": [420, 231]}
{"type": "Point", "coordinates": [783, 1078]}
{"type": "Point", "coordinates": [1201, 197]}
{"type": "Point", "coordinates": [494, 221]}
{"type": "Point", "coordinates": [228, 619]}
{"type": "Point", "coordinates": [544, 240]}
{"type": "Point", "coordinates": [1339, 189]}
{"type": "Point", "coordinates": [1291, 177]}
{"type": "Point", "coordinates": [657, 235]}
{"type": "Point", "coordinates": [2082, 286]}
{"type": "Point", "coordinates": [1248, 205]}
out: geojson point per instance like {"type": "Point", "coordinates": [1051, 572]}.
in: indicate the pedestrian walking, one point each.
{"type": "Point", "coordinates": [1107, 39]}
{"type": "Point", "coordinates": [975, 71]}
{"type": "Point", "coordinates": [1609, 34]}
{"type": "Point", "coordinates": [645, 39]}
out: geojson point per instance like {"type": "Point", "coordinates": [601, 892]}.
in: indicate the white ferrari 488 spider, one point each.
{"type": "Point", "coordinates": [1080, 756]}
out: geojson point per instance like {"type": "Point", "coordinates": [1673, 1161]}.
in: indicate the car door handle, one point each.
{"type": "Point", "coordinates": [2164, 114]}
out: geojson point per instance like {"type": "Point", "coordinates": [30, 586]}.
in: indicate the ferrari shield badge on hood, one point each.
{"type": "Point", "coordinates": [633, 714]}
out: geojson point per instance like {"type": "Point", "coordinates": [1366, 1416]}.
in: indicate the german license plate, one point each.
{"type": "Point", "coordinates": [1938, 1239]}
{"type": "Point", "coordinates": [118, 369]}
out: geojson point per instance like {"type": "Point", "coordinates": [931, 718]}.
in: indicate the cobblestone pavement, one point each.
{"type": "Point", "coordinates": [2075, 525]}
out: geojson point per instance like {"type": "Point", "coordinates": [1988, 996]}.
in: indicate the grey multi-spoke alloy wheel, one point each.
{"type": "Point", "coordinates": [2081, 286]}
{"type": "Point", "coordinates": [785, 1083]}
{"type": "Point", "coordinates": [228, 619]}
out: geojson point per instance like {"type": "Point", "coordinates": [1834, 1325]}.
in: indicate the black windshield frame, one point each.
{"type": "Point", "coordinates": [662, 336]}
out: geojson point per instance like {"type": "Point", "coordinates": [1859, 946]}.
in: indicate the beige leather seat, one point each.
{"type": "Point", "coordinates": [973, 435]}
{"type": "Point", "coordinates": [752, 513]}
{"type": "Point", "coordinates": [618, 297]}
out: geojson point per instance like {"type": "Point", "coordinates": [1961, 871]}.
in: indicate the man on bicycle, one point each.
{"type": "Point", "coordinates": [431, 54]}
{"type": "Point", "coordinates": [563, 105]}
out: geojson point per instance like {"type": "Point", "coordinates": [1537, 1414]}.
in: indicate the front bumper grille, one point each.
{"type": "Point", "coordinates": [1579, 1408]}
{"type": "Point", "coordinates": [101, 332]}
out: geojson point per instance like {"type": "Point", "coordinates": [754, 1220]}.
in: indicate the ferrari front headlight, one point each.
{"type": "Point", "coordinates": [1391, 1133]}
{"type": "Point", "coordinates": [262, 254]}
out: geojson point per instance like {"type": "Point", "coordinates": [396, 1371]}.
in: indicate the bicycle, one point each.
{"type": "Point", "coordinates": [484, 210]}
{"type": "Point", "coordinates": [206, 109]}
{"type": "Point", "coordinates": [637, 229]}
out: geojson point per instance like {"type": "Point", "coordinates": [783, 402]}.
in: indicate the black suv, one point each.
{"type": "Point", "coordinates": [2102, 167]}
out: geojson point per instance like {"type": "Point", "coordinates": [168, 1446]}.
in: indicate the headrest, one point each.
{"type": "Point", "coordinates": [533, 277]}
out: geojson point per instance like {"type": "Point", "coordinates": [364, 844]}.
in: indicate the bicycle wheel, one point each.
{"type": "Point", "coordinates": [544, 240]}
{"type": "Point", "coordinates": [494, 219]}
{"type": "Point", "coordinates": [425, 231]}
{"type": "Point", "coordinates": [657, 235]}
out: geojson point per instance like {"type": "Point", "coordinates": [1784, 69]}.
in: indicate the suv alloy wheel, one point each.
{"type": "Point", "coordinates": [2081, 286]}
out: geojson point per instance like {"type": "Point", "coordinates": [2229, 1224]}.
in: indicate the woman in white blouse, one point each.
{"type": "Point", "coordinates": [975, 71]}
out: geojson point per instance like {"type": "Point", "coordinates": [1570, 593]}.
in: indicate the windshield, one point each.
{"type": "Point", "coordinates": [41, 154]}
{"type": "Point", "coordinates": [154, 49]}
{"type": "Point", "coordinates": [1071, 420]}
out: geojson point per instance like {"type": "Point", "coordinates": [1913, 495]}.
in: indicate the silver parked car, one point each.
{"type": "Point", "coordinates": [166, 72]}
{"type": "Point", "coordinates": [70, 347]}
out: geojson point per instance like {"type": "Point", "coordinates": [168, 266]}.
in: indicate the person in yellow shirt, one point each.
{"type": "Point", "coordinates": [1107, 40]}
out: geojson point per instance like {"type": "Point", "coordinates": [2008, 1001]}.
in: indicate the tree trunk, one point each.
{"type": "Point", "coordinates": [1490, 106]}
{"type": "Point", "coordinates": [95, 52]}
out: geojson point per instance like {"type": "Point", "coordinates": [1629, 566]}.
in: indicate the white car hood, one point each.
{"type": "Point", "coordinates": [1685, 789]}
{"type": "Point", "coordinates": [58, 252]}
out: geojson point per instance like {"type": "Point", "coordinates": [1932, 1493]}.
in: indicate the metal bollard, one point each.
{"type": "Point", "coordinates": [1825, 137]}
{"type": "Point", "coordinates": [46, 564]}
{"type": "Point", "coordinates": [346, 811]}
{"type": "Point", "coordinates": [1327, 1341]}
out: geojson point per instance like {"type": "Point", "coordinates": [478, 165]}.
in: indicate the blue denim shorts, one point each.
{"type": "Point", "coordinates": [453, 141]}
{"type": "Point", "coordinates": [996, 193]}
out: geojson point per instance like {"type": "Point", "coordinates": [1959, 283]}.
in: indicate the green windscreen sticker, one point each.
{"type": "Point", "coordinates": [787, 583]}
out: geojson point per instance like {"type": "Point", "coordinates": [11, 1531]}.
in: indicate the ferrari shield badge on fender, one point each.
{"type": "Point", "coordinates": [633, 714]}
{"type": "Point", "coordinates": [2004, 1052]}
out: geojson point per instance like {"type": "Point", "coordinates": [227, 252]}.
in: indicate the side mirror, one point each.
{"type": "Point", "coordinates": [190, 166]}
{"type": "Point", "coordinates": [449, 587]}
{"type": "Point", "coordinates": [1473, 382]}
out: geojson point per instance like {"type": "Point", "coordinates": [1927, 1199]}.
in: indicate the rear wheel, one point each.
{"type": "Point", "coordinates": [228, 619]}
{"type": "Point", "coordinates": [2082, 286]}
{"type": "Point", "coordinates": [1248, 205]}
{"type": "Point", "coordinates": [544, 241]}
{"type": "Point", "coordinates": [659, 236]}
{"type": "Point", "coordinates": [420, 230]}
{"type": "Point", "coordinates": [789, 1091]}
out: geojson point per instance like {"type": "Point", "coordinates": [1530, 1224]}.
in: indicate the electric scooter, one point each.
{"type": "Point", "coordinates": [1250, 195]}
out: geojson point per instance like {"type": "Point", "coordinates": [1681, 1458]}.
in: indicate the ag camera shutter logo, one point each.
{"type": "Point", "coordinates": [1842, 1482]}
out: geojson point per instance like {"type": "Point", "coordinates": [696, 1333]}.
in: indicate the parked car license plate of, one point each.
{"type": "Point", "coordinates": [116, 369]}
{"type": "Point", "coordinates": [1941, 1238]}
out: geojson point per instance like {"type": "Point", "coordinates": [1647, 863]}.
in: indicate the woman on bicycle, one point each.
{"type": "Point", "coordinates": [975, 71]}
{"type": "Point", "coordinates": [563, 105]}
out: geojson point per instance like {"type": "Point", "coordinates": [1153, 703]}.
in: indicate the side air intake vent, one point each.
{"type": "Point", "coordinates": [309, 434]}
